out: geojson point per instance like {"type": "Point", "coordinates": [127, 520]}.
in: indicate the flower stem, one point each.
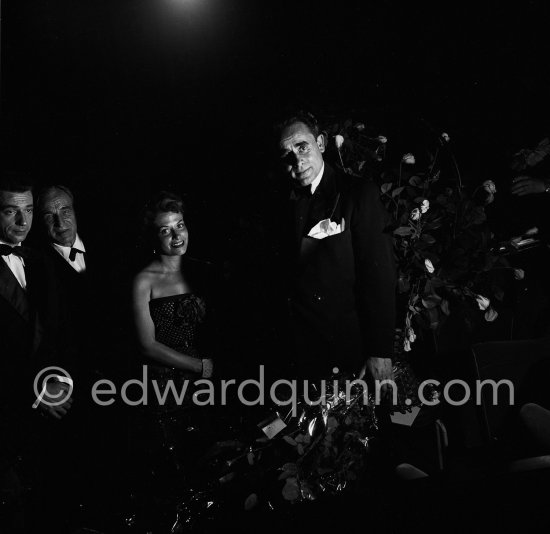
{"type": "Point", "coordinates": [341, 160]}
{"type": "Point", "coordinates": [457, 170]}
{"type": "Point", "coordinates": [399, 181]}
{"type": "Point", "coordinates": [434, 161]}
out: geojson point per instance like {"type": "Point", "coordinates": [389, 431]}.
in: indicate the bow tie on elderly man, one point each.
{"type": "Point", "coordinates": [74, 252]}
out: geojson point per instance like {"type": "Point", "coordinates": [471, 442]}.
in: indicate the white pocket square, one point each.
{"type": "Point", "coordinates": [326, 228]}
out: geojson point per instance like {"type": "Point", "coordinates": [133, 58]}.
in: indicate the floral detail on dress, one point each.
{"type": "Point", "coordinates": [190, 310]}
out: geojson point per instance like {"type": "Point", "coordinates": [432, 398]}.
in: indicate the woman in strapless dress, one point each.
{"type": "Point", "coordinates": [172, 329]}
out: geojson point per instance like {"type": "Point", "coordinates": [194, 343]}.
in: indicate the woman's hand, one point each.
{"type": "Point", "coordinates": [527, 185]}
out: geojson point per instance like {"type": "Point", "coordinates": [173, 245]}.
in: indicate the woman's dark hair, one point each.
{"type": "Point", "coordinates": [161, 202]}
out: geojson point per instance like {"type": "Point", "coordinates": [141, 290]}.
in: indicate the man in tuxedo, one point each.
{"type": "Point", "coordinates": [28, 307]}
{"type": "Point", "coordinates": [65, 249]}
{"type": "Point", "coordinates": [22, 331]}
{"type": "Point", "coordinates": [342, 276]}
{"type": "Point", "coordinates": [82, 337]}
{"type": "Point", "coordinates": [27, 316]}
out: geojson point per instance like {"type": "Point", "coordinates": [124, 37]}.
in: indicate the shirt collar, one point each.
{"type": "Point", "coordinates": [67, 250]}
{"type": "Point", "coordinates": [8, 258]}
{"type": "Point", "coordinates": [317, 180]}
{"type": "Point", "coordinates": [9, 244]}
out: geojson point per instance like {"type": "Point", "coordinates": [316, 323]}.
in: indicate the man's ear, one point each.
{"type": "Point", "coordinates": [321, 141]}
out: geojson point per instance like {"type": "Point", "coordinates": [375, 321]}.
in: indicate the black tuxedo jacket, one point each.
{"type": "Point", "coordinates": [79, 315]}
{"type": "Point", "coordinates": [28, 317]}
{"type": "Point", "coordinates": [342, 287]}
{"type": "Point", "coordinates": [27, 322]}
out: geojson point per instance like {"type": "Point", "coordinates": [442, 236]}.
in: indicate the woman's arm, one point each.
{"type": "Point", "coordinates": [145, 329]}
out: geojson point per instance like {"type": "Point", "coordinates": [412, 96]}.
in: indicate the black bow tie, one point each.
{"type": "Point", "coordinates": [74, 252]}
{"type": "Point", "coordinates": [6, 250]}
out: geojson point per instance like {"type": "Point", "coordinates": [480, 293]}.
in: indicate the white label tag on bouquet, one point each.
{"type": "Point", "coordinates": [407, 418]}
{"type": "Point", "coordinates": [273, 428]}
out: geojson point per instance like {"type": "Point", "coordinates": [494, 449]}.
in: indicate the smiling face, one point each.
{"type": "Point", "coordinates": [171, 233]}
{"type": "Point", "coordinates": [16, 210]}
{"type": "Point", "coordinates": [301, 153]}
{"type": "Point", "coordinates": [59, 217]}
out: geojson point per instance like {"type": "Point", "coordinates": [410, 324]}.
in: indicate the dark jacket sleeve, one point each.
{"type": "Point", "coordinates": [374, 270]}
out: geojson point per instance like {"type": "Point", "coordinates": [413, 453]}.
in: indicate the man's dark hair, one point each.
{"type": "Point", "coordinates": [302, 116]}
{"type": "Point", "coordinates": [12, 182]}
{"type": "Point", "coordinates": [47, 189]}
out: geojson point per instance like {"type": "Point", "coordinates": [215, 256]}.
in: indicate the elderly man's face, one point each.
{"type": "Point", "coordinates": [57, 212]}
{"type": "Point", "coordinates": [301, 153]}
{"type": "Point", "coordinates": [16, 211]}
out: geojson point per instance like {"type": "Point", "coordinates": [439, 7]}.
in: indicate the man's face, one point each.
{"type": "Point", "coordinates": [16, 211]}
{"type": "Point", "coordinates": [301, 153]}
{"type": "Point", "coordinates": [59, 218]}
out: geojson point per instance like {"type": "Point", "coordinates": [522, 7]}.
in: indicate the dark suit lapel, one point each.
{"type": "Point", "coordinates": [61, 264]}
{"type": "Point", "coordinates": [11, 291]}
{"type": "Point", "coordinates": [39, 293]}
{"type": "Point", "coordinates": [301, 216]}
{"type": "Point", "coordinates": [63, 268]}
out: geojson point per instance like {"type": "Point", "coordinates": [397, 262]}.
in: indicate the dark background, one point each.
{"type": "Point", "coordinates": [119, 97]}
{"type": "Point", "coordinates": [116, 98]}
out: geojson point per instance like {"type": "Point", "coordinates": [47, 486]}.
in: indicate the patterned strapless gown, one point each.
{"type": "Point", "coordinates": [168, 431]}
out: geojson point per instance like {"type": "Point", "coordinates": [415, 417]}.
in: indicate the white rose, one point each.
{"type": "Point", "coordinates": [382, 139]}
{"type": "Point", "coordinates": [425, 206]}
{"type": "Point", "coordinates": [415, 214]}
{"type": "Point", "coordinates": [519, 274]}
{"type": "Point", "coordinates": [407, 345]}
{"type": "Point", "coordinates": [482, 302]}
{"type": "Point", "coordinates": [408, 159]}
{"type": "Point", "coordinates": [338, 141]}
{"type": "Point", "coordinates": [360, 126]}
{"type": "Point", "coordinates": [489, 186]}
{"type": "Point", "coordinates": [411, 335]}
{"type": "Point", "coordinates": [429, 266]}
{"type": "Point", "coordinates": [490, 315]}
{"type": "Point", "coordinates": [445, 137]}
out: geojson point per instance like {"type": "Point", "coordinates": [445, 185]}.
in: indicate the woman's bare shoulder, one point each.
{"type": "Point", "coordinates": [146, 276]}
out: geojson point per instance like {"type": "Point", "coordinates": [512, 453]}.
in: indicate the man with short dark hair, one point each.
{"type": "Point", "coordinates": [27, 318]}
{"type": "Point", "coordinates": [342, 279]}
{"type": "Point", "coordinates": [27, 305]}
{"type": "Point", "coordinates": [21, 329]}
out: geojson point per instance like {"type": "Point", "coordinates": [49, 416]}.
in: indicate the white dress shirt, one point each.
{"type": "Point", "coordinates": [79, 264]}
{"type": "Point", "coordinates": [317, 180]}
{"type": "Point", "coordinates": [16, 265]}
